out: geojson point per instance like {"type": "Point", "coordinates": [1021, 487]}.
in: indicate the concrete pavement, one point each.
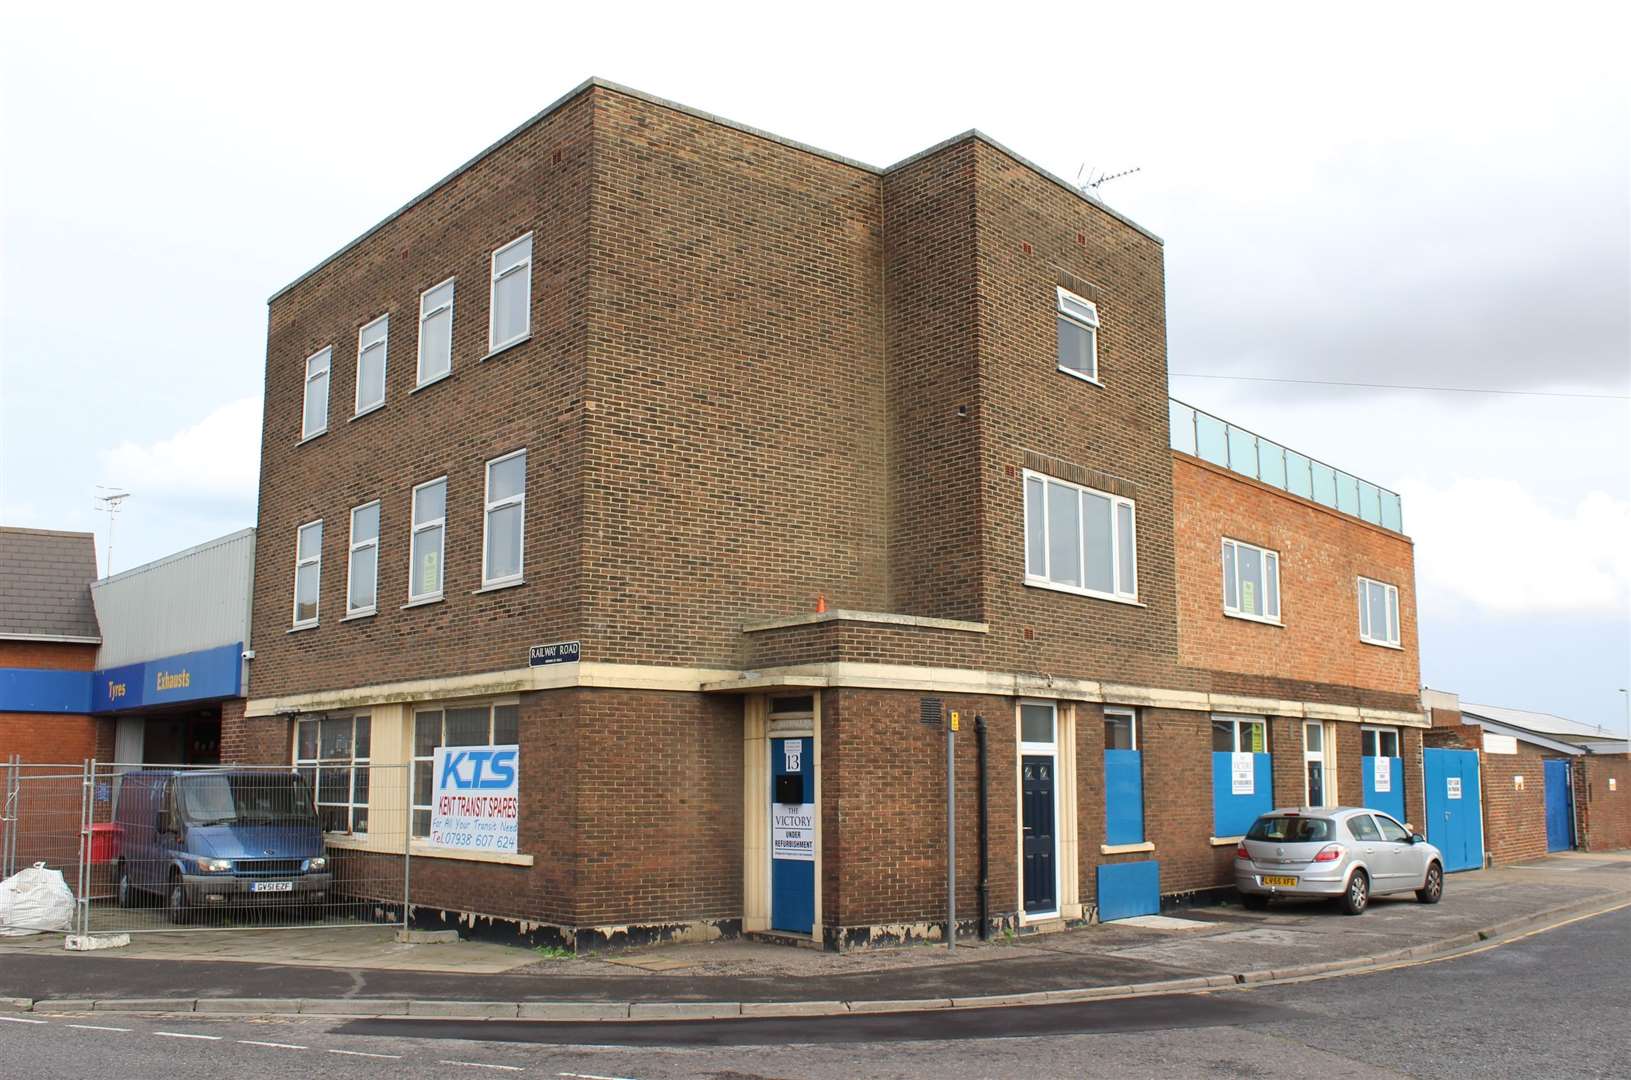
{"type": "Point", "coordinates": [1203, 949]}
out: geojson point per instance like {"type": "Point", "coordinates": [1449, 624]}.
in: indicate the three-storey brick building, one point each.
{"type": "Point", "coordinates": [789, 454]}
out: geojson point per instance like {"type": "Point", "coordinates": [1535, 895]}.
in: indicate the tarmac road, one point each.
{"type": "Point", "coordinates": [1554, 1004]}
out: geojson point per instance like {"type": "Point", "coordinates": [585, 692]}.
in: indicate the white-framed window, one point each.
{"type": "Point", "coordinates": [314, 413]}
{"type": "Point", "coordinates": [1251, 581]}
{"type": "Point", "coordinates": [1079, 540]}
{"type": "Point", "coordinates": [362, 565]}
{"type": "Point", "coordinates": [505, 519]}
{"type": "Point", "coordinates": [308, 572]}
{"type": "Point", "coordinates": [1078, 336]}
{"type": "Point", "coordinates": [333, 753]}
{"type": "Point", "coordinates": [428, 540]}
{"type": "Point", "coordinates": [371, 342]}
{"type": "Point", "coordinates": [490, 724]}
{"type": "Point", "coordinates": [1120, 729]}
{"type": "Point", "coordinates": [1240, 735]}
{"type": "Point", "coordinates": [1317, 786]}
{"type": "Point", "coordinates": [1378, 612]}
{"type": "Point", "coordinates": [435, 332]}
{"type": "Point", "coordinates": [1379, 742]}
{"type": "Point", "coordinates": [511, 300]}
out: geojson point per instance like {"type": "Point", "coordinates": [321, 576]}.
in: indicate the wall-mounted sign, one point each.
{"type": "Point", "coordinates": [476, 802]}
{"type": "Point", "coordinates": [792, 831]}
{"type": "Point", "coordinates": [561, 652]}
{"type": "Point", "coordinates": [1384, 774]}
{"type": "Point", "coordinates": [793, 754]}
{"type": "Point", "coordinates": [1517, 783]}
{"type": "Point", "coordinates": [1613, 784]}
{"type": "Point", "coordinates": [1500, 744]}
{"type": "Point", "coordinates": [1242, 774]}
{"type": "Point", "coordinates": [194, 676]}
{"type": "Point", "coordinates": [1452, 787]}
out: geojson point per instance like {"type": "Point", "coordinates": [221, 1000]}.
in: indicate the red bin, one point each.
{"type": "Point", "coordinates": [104, 842]}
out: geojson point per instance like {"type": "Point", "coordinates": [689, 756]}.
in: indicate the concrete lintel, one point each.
{"type": "Point", "coordinates": [884, 618]}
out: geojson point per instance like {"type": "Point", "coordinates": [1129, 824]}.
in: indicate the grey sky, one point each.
{"type": "Point", "coordinates": [1412, 193]}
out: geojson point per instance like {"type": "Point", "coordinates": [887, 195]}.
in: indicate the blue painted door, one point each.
{"type": "Point", "coordinates": [1454, 820]}
{"type": "Point", "coordinates": [792, 836]}
{"type": "Point", "coordinates": [1036, 790]}
{"type": "Point", "coordinates": [1123, 797]}
{"type": "Point", "coordinates": [1559, 807]}
{"type": "Point", "coordinates": [1384, 785]}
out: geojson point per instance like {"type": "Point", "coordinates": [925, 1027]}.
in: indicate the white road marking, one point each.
{"type": "Point", "coordinates": [275, 1046]}
{"type": "Point", "coordinates": [592, 1076]}
{"type": "Point", "coordinates": [361, 1053]}
{"type": "Point", "coordinates": [186, 1035]}
{"type": "Point", "coordinates": [484, 1065]}
{"type": "Point", "coordinates": [96, 1027]}
{"type": "Point", "coordinates": [22, 1020]}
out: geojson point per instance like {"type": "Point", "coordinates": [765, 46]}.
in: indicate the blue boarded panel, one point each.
{"type": "Point", "coordinates": [1233, 814]}
{"type": "Point", "coordinates": [1559, 807]}
{"type": "Point", "coordinates": [44, 690]}
{"type": "Point", "coordinates": [1452, 793]}
{"type": "Point", "coordinates": [792, 830]}
{"type": "Point", "coordinates": [1392, 800]}
{"type": "Point", "coordinates": [1123, 797]}
{"type": "Point", "coordinates": [1128, 889]}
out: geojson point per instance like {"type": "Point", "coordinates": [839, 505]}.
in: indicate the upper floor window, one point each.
{"type": "Point", "coordinates": [429, 538]}
{"type": "Point", "coordinates": [1079, 540]}
{"type": "Point", "coordinates": [308, 572]}
{"type": "Point", "coordinates": [314, 419]}
{"type": "Point", "coordinates": [511, 318]}
{"type": "Point", "coordinates": [505, 519]}
{"type": "Point", "coordinates": [435, 332]}
{"type": "Point", "coordinates": [1378, 613]}
{"type": "Point", "coordinates": [371, 364]}
{"type": "Point", "coordinates": [1251, 581]}
{"type": "Point", "coordinates": [362, 567]}
{"type": "Point", "coordinates": [1078, 336]}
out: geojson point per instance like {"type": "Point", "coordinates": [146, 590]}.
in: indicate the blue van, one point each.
{"type": "Point", "coordinates": [212, 838]}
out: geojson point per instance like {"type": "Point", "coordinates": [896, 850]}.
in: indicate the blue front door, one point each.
{"type": "Point", "coordinates": [792, 836]}
{"type": "Point", "coordinates": [1559, 807]}
{"type": "Point", "coordinates": [1454, 823]}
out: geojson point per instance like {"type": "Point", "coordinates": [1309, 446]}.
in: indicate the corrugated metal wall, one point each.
{"type": "Point", "coordinates": [194, 599]}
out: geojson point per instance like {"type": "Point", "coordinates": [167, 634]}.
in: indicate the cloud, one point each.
{"type": "Point", "coordinates": [216, 460]}
{"type": "Point", "coordinates": [1491, 544]}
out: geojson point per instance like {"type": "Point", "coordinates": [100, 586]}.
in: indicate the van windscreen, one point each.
{"type": "Point", "coordinates": [245, 799]}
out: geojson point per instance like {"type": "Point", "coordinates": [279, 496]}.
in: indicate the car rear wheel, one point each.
{"type": "Point", "coordinates": [1432, 888]}
{"type": "Point", "coordinates": [1254, 901]}
{"type": "Point", "coordinates": [1357, 895]}
{"type": "Point", "coordinates": [126, 891]}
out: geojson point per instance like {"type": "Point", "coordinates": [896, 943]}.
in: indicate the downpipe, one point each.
{"type": "Point", "coordinates": [985, 846]}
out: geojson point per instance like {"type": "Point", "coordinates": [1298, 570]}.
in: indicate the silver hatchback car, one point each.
{"type": "Point", "coordinates": [1336, 852]}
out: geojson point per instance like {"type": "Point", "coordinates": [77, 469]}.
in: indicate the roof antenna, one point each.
{"type": "Point", "coordinates": [109, 505]}
{"type": "Point", "coordinates": [1088, 181]}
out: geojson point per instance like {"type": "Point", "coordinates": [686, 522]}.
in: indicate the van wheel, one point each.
{"type": "Point", "coordinates": [1432, 889]}
{"type": "Point", "coordinates": [176, 900]}
{"type": "Point", "coordinates": [125, 890]}
{"type": "Point", "coordinates": [1254, 901]}
{"type": "Point", "coordinates": [1357, 895]}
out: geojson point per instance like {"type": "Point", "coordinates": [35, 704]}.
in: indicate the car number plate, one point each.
{"type": "Point", "coordinates": [272, 886]}
{"type": "Point", "coordinates": [1284, 882]}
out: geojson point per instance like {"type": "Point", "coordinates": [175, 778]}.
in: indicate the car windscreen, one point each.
{"type": "Point", "coordinates": [244, 799]}
{"type": "Point", "coordinates": [1291, 830]}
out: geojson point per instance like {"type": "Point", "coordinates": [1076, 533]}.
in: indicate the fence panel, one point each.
{"type": "Point", "coordinates": [211, 848]}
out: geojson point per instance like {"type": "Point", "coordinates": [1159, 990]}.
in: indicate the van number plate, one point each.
{"type": "Point", "coordinates": [1282, 882]}
{"type": "Point", "coordinates": [272, 886]}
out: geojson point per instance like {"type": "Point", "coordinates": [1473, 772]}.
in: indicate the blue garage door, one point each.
{"type": "Point", "coordinates": [1454, 818]}
{"type": "Point", "coordinates": [1559, 807]}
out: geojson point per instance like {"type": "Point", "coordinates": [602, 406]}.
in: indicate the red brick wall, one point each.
{"type": "Point", "coordinates": [1321, 552]}
{"type": "Point", "coordinates": [1605, 815]}
{"type": "Point", "coordinates": [1514, 820]}
{"type": "Point", "coordinates": [47, 654]}
{"type": "Point", "coordinates": [55, 738]}
{"type": "Point", "coordinates": [261, 740]}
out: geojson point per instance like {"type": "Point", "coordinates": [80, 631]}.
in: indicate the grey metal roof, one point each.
{"type": "Point", "coordinates": [45, 585]}
{"type": "Point", "coordinates": [1560, 727]}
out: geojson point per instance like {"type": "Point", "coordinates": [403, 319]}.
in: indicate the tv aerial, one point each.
{"type": "Point", "coordinates": [108, 502]}
{"type": "Point", "coordinates": [1089, 181]}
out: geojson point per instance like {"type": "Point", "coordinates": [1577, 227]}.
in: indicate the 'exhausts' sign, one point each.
{"type": "Point", "coordinates": [475, 798]}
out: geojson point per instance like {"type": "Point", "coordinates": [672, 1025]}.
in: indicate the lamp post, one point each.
{"type": "Point", "coordinates": [1627, 694]}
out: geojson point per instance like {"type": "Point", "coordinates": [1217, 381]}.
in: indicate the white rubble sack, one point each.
{"type": "Point", "coordinates": [35, 900]}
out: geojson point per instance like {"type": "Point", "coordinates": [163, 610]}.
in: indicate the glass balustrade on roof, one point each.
{"type": "Point", "coordinates": [1200, 434]}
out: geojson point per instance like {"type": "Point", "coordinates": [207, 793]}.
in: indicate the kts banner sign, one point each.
{"type": "Point", "coordinates": [475, 798]}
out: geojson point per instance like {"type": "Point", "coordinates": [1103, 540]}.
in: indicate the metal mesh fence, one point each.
{"type": "Point", "coordinates": [146, 848]}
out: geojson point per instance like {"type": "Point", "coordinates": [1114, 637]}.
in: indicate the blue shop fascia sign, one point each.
{"type": "Point", "coordinates": [194, 676]}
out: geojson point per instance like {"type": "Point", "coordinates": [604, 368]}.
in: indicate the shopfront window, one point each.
{"type": "Point", "coordinates": [465, 725]}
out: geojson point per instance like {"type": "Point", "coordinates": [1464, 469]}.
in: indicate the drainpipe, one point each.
{"type": "Point", "coordinates": [985, 877]}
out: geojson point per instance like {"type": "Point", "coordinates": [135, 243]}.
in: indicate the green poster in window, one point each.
{"type": "Point", "coordinates": [1257, 739]}
{"type": "Point", "coordinates": [429, 581]}
{"type": "Point", "coordinates": [1248, 597]}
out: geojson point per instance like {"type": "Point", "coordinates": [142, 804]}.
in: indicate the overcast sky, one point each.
{"type": "Point", "coordinates": [1389, 194]}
